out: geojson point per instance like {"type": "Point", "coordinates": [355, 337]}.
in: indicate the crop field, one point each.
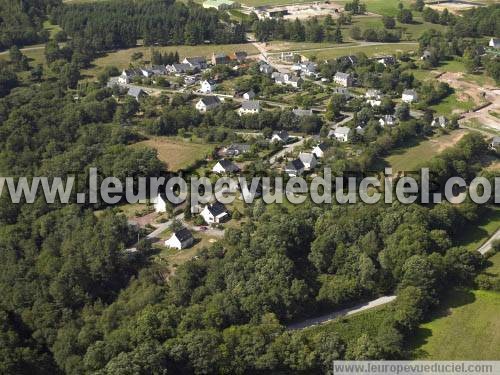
{"type": "Point", "coordinates": [175, 153]}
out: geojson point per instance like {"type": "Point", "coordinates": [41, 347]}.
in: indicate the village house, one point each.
{"type": "Point", "coordinates": [266, 68]}
{"type": "Point", "coordinates": [386, 60]}
{"type": "Point", "coordinates": [343, 79]}
{"type": "Point", "coordinates": [319, 150]}
{"type": "Point", "coordinates": [374, 102]}
{"type": "Point", "coordinates": [308, 69]}
{"type": "Point", "coordinates": [289, 57]}
{"type": "Point", "coordinates": [287, 79]}
{"type": "Point", "coordinates": [236, 149]}
{"type": "Point", "coordinates": [159, 203]}
{"type": "Point", "coordinates": [159, 70]}
{"type": "Point", "coordinates": [373, 94]}
{"type": "Point", "coordinates": [239, 56]}
{"type": "Point", "coordinates": [250, 95]}
{"type": "Point", "coordinates": [440, 121]}
{"type": "Point", "coordinates": [387, 120]}
{"type": "Point", "coordinates": [225, 166]}
{"type": "Point", "coordinates": [341, 133]}
{"type": "Point", "coordinates": [207, 103]}
{"type": "Point", "coordinates": [250, 107]}
{"type": "Point", "coordinates": [196, 62]}
{"type": "Point", "coordinates": [207, 86]}
{"type": "Point", "coordinates": [180, 239]}
{"type": "Point", "coordinates": [127, 76]}
{"type": "Point", "coordinates": [409, 96]}
{"type": "Point", "coordinates": [294, 168]}
{"type": "Point", "coordinates": [220, 59]}
{"type": "Point", "coordinates": [215, 213]}
{"type": "Point", "coordinates": [148, 73]}
{"type": "Point", "coordinates": [137, 93]}
{"type": "Point", "coordinates": [281, 136]}
{"type": "Point", "coordinates": [178, 68]}
{"type": "Point", "coordinates": [494, 42]}
{"type": "Point", "coordinates": [426, 55]}
{"type": "Point", "coordinates": [190, 80]}
{"type": "Point", "coordinates": [308, 160]}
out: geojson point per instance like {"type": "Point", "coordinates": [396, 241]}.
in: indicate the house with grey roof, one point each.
{"type": "Point", "coordinates": [207, 103]}
{"type": "Point", "coordinates": [319, 150]}
{"type": "Point", "coordinates": [494, 42]}
{"type": "Point", "coordinates": [281, 136]}
{"type": "Point", "coordinates": [236, 149]}
{"type": "Point", "coordinates": [342, 91]}
{"type": "Point", "coordinates": [196, 62]}
{"type": "Point", "coordinates": [308, 160]}
{"type": "Point", "coordinates": [178, 68]}
{"type": "Point", "coordinates": [440, 121]}
{"type": "Point", "coordinates": [343, 79]}
{"type": "Point", "coordinates": [409, 96]}
{"type": "Point", "coordinates": [387, 120]}
{"type": "Point", "coordinates": [249, 107]}
{"type": "Point", "coordinates": [215, 213]}
{"type": "Point", "coordinates": [495, 143]}
{"type": "Point", "coordinates": [249, 95]}
{"type": "Point", "coordinates": [137, 93]}
{"type": "Point", "coordinates": [265, 68]}
{"type": "Point", "coordinates": [294, 168]}
{"type": "Point", "coordinates": [180, 239]}
{"type": "Point", "coordinates": [340, 133]}
{"type": "Point", "coordinates": [225, 166]}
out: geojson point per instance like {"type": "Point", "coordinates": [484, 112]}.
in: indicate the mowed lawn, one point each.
{"type": "Point", "coordinates": [408, 159]}
{"type": "Point", "coordinates": [175, 153]}
{"type": "Point", "coordinates": [475, 236]}
{"type": "Point", "coordinates": [369, 50]}
{"type": "Point", "coordinates": [467, 327]}
{"type": "Point", "coordinates": [122, 58]}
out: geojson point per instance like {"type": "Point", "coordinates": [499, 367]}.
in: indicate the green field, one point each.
{"type": "Point", "coordinates": [121, 59]}
{"type": "Point", "coordinates": [176, 153]}
{"type": "Point", "coordinates": [408, 159]}
{"type": "Point", "coordinates": [452, 105]}
{"type": "Point", "coordinates": [475, 236]}
{"type": "Point", "coordinates": [369, 50]}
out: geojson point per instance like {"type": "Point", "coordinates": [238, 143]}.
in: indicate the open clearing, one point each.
{"type": "Point", "coordinates": [466, 327]}
{"type": "Point", "coordinates": [369, 49]}
{"type": "Point", "coordinates": [122, 58]}
{"type": "Point", "coordinates": [177, 154]}
{"type": "Point", "coordinates": [408, 159]}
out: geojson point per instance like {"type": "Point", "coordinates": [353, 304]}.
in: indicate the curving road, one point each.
{"type": "Point", "coordinates": [340, 313]}
{"type": "Point", "coordinates": [487, 246]}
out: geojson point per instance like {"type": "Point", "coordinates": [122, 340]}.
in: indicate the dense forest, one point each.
{"type": "Point", "coordinates": [21, 22]}
{"type": "Point", "coordinates": [119, 24]}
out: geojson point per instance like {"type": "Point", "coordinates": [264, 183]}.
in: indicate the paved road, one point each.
{"type": "Point", "coordinates": [488, 244]}
{"type": "Point", "coordinates": [163, 226]}
{"type": "Point", "coordinates": [337, 314]}
{"type": "Point", "coordinates": [286, 150]}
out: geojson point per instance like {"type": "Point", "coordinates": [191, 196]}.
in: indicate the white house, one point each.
{"type": "Point", "coordinates": [250, 107]}
{"type": "Point", "coordinates": [127, 75]}
{"type": "Point", "coordinates": [266, 68]}
{"type": "Point", "coordinates": [207, 103]}
{"type": "Point", "coordinates": [319, 150]}
{"type": "Point", "coordinates": [373, 94]}
{"type": "Point", "coordinates": [343, 79]}
{"type": "Point", "coordinates": [387, 120]}
{"type": "Point", "coordinates": [409, 96]}
{"type": "Point", "coordinates": [214, 213]}
{"type": "Point", "coordinates": [341, 133]}
{"type": "Point", "coordinates": [181, 239]}
{"type": "Point", "coordinates": [137, 93]}
{"type": "Point", "coordinates": [294, 168]}
{"type": "Point", "coordinates": [281, 136]}
{"type": "Point", "coordinates": [225, 166]}
{"type": "Point", "coordinates": [308, 160]}
{"type": "Point", "coordinates": [207, 86]}
{"type": "Point", "coordinates": [178, 68]}
{"type": "Point", "coordinates": [374, 102]}
{"type": "Point", "coordinates": [250, 95]}
{"type": "Point", "coordinates": [286, 79]}
{"type": "Point", "coordinates": [440, 121]}
{"type": "Point", "coordinates": [494, 42]}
